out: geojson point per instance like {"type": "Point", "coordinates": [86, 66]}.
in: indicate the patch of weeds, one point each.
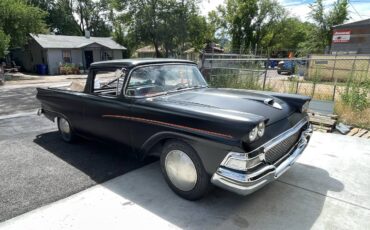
{"type": "Point", "coordinates": [352, 117]}
{"type": "Point", "coordinates": [356, 94]}
{"type": "Point", "coordinates": [293, 84]}
{"type": "Point", "coordinates": [238, 79]}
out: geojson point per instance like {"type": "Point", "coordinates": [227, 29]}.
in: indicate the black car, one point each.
{"type": "Point", "coordinates": [239, 140]}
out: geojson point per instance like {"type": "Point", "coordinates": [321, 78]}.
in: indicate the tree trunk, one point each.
{"type": "Point", "coordinates": [157, 52]}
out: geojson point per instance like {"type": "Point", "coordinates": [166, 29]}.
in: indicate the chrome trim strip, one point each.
{"type": "Point", "coordinates": [267, 146]}
{"type": "Point", "coordinates": [276, 140]}
{"type": "Point", "coordinates": [232, 175]}
{"type": "Point", "coordinates": [244, 183]}
{"type": "Point", "coordinates": [40, 112]}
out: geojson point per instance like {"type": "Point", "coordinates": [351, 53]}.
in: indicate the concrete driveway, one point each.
{"type": "Point", "coordinates": [15, 99]}
{"type": "Point", "coordinates": [328, 188]}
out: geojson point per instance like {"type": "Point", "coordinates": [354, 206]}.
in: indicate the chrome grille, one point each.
{"type": "Point", "coordinates": [282, 148]}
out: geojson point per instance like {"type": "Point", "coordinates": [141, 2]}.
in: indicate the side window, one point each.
{"type": "Point", "coordinates": [108, 82]}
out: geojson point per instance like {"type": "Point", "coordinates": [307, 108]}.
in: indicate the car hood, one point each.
{"type": "Point", "coordinates": [238, 105]}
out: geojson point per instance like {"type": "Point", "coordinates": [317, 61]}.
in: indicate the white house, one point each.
{"type": "Point", "coordinates": [54, 50]}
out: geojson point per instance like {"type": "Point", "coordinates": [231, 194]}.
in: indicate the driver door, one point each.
{"type": "Point", "coordinates": [104, 104]}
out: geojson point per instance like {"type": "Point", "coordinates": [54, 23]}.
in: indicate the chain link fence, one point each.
{"type": "Point", "coordinates": [323, 77]}
{"type": "Point", "coordinates": [339, 80]}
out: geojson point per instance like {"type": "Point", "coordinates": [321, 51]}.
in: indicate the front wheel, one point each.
{"type": "Point", "coordinates": [65, 130]}
{"type": "Point", "coordinates": [183, 171]}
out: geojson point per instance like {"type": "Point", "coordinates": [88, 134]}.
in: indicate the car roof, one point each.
{"type": "Point", "coordinates": [138, 61]}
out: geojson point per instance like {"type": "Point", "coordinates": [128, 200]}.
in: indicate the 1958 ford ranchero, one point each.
{"type": "Point", "coordinates": [238, 140]}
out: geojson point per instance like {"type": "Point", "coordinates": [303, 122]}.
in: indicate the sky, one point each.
{"type": "Point", "coordinates": [359, 9]}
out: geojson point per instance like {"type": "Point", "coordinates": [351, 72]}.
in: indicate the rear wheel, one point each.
{"type": "Point", "coordinates": [65, 130]}
{"type": "Point", "coordinates": [183, 171]}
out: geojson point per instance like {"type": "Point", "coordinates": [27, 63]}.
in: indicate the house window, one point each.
{"type": "Point", "coordinates": [106, 56]}
{"type": "Point", "coordinates": [67, 56]}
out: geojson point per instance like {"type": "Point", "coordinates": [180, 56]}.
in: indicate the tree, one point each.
{"type": "Point", "coordinates": [61, 19]}
{"type": "Point", "coordinates": [288, 34]}
{"type": "Point", "coordinates": [4, 43]}
{"type": "Point", "coordinates": [173, 25]}
{"type": "Point", "coordinates": [92, 16]}
{"type": "Point", "coordinates": [217, 27]}
{"type": "Point", "coordinates": [238, 16]}
{"type": "Point", "coordinates": [17, 20]}
{"type": "Point", "coordinates": [249, 21]}
{"type": "Point", "coordinates": [73, 17]}
{"type": "Point", "coordinates": [199, 32]}
{"type": "Point", "coordinates": [325, 20]}
{"type": "Point", "coordinates": [123, 38]}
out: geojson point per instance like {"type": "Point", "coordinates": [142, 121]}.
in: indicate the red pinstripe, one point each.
{"type": "Point", "coordinates": [168, 124]}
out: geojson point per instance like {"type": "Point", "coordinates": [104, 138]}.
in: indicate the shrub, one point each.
{"type": "Point", "coordinates": [234, 78]}
{"type": "Point", "coordinates": [69, 68]}
{"type": "Point", "coordinates": [357, 92]}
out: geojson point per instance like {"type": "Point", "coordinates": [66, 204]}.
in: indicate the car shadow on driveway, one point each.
{"type": "Point", "coordinates": [276, 206]}
{"type": "Point", "coordinates": [38, 169]}
{"type": "Point", "coordinates": [295, 201]}
{"type": "Point", "coordinates": [99, 161]}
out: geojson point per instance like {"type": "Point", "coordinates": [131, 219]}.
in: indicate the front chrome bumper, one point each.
{"type": "Point", "coordinates": [247, 182]}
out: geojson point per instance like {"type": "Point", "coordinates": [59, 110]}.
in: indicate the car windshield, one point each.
{"type": "Point", "coordinates": [160, 79]}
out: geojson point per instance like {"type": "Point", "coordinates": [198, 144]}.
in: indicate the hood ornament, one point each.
{"type": "Point", "coordinates": [270, 101]}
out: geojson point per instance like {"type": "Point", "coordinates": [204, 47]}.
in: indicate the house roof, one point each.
{"type": "Point", "coordinates": [356, 23]}
{"type": "Point", "coordinates": [74, 42]}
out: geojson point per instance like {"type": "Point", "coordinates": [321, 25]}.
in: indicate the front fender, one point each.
{"type": "Point", "coordinates": [210, 152]}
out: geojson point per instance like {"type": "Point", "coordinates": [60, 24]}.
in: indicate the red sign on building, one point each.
{"type": "Point", "coordinates": [341, 36]}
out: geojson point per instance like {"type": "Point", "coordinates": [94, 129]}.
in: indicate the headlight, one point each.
{"type": "Point", "coordinates": [261, 129]}
{"type": "Point", "coordinates": [253, 134]}
{"type": "Point", "coordinates": [304, 108]}
{"type": "Point", "coordinates": [256, 132]}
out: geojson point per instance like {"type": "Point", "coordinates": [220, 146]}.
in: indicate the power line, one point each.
{"type": "Point", "coordinates": [304, 3]}
{"type": "Point", "coordinates": [355, 9]}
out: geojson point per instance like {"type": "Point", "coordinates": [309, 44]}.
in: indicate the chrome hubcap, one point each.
{"type": "Point", "coordinates": [64, 126]}
{"type": "Point", "coordinates": [181, 170]}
